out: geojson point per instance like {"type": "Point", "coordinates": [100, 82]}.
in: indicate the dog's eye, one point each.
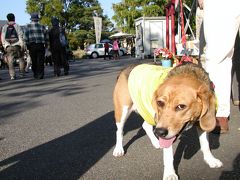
{"type": "Point", "coordinates": [180, 107]}
{"type": "Point", "coordinates": [160, 103]}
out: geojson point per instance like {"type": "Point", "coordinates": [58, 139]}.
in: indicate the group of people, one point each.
{"type": "Point", "coordinates": [115, 50]}
{"type": "Point", "coordinates": [36, 40]}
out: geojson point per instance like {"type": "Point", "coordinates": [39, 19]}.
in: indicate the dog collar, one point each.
{"type": "Point", "coordinates": [188, 126]}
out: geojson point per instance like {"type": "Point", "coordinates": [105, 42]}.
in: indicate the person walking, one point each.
{"type": "Point", "coordinates": [221, 23]}
{"type": "Point", "coordinates": [115, 49]}
{"type": "Point", "coordinates": [106, 50]}
{"type": "Point", "coordinates": [13, 44]}
{"type": "Point", "coordinates": [58, 45]}
{"type": "Point", "coordinates": [36, 39]}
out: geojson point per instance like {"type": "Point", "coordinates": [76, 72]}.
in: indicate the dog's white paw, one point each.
{"type": "Point", "coordinates": [118, 151]}
{"type": "Point", "coordinates": [213, 162]}
{"type": "Point", "coordinates": [169, 174]}
{"type": "Point", "coordinates": [170, 177]}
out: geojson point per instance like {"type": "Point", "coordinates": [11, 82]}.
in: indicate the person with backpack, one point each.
{"type": "Point", "coordinates": [58, 46]}
{"type": "Point", "coordinates": [36, 39]}
{"type": "Point", "coordinates": [13, 44]}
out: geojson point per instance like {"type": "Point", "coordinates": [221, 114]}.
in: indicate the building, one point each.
{"type": "Point", "coordinates": [150, 34]}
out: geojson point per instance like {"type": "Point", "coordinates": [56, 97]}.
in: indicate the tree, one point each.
{"type": "Point", "coordinates": [75, 15]}
{"type": "Point", "coordinates": [127, 11]}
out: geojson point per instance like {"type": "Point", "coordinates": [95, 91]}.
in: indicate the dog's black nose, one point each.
{"type": "Point", "coordinates": [161, 132]}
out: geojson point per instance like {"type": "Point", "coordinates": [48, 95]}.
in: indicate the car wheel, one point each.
{"type": "Point", "coordinates": [121, 53]}
{"type": "Point", "coordinates": [94, 55]}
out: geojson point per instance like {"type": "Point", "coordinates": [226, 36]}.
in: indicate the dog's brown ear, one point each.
{"type": "Point", "coordinates": [154, 105]}
{"type": "Point", "coordinates": [208, 114]}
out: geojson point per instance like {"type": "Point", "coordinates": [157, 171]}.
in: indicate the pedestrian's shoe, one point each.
{"type": "Point", "coordinates": [236, 102]}
{"type": "Point", "coordinates": [12, 77]}
{"type": "Point", "coordinates": [66, 73]}
{"type": "Point", "coordinates": [35, 76]}
{"type": "Point", "coordinates": [221, 125]}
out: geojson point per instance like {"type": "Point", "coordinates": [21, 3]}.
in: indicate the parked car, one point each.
{"type": "Point", "coordinates": [97, 50]}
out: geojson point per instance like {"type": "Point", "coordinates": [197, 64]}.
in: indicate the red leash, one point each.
{"type": "Point", "coordinates": [182, 25]}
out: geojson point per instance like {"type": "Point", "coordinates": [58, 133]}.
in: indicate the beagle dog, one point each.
{"type": "Point", "coordinates": [169, 100]}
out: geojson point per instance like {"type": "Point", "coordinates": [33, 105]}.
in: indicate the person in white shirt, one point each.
{"type": "Point", "coordinates": [221, 23]}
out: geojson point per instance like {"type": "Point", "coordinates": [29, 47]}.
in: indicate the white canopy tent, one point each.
{"type": "Point", "coordinates": [121, 35]}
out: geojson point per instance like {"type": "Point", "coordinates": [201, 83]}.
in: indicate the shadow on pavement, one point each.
{"type": "Point", "coordinates": [72, 155]}
{"type": "Point", "coordinates": [69, 156]}
{"type": "Point", "coordinates": [235, 173]}
{"type": "Point", "coordinates": [189, 145]}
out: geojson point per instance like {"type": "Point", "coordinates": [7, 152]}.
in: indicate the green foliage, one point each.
{"type": "Point", "coordinates": [75, 15]}
{"type": "Point", "coordinates": [127, 11]}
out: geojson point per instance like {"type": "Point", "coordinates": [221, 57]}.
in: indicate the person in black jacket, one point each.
{"type": "Point", "coordinates": [58, 47]}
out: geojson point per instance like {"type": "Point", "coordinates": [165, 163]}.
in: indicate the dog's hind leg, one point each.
{"type": "Point", "coordinates": [118, 150]}
{"type": "Point", "coordinates": [207, 154]}
{"type": "Point", "coordinates": [149, 131]}
{"type": "Point", "coordinates": [123, 106]}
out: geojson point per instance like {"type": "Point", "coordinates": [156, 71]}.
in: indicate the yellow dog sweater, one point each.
{"type": "Point", "coordinates": [143, 80]}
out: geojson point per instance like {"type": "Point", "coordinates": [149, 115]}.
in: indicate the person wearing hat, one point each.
{"type": "Point", "coordinates": [13, 44]}
{"type": "Point", "coordinates": [58, 47]}
{"type": "Point", "coordinates": [36, 39]}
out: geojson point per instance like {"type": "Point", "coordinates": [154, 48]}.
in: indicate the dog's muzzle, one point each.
{"type": "Point", "coordinates": [161, 132]}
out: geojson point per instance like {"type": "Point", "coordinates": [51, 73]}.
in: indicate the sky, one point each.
{"type": "Point", "coordinates": [18, 7]}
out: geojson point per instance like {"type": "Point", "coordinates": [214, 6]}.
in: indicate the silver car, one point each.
{"type": "Point", "coordinates": [97, 50]}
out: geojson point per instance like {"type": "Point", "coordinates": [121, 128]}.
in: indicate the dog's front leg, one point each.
{"type": "Point", "coordinates": [149, 131]}
{"type": "Point", "coordinates": [207, 154]}
{"type": "Point", "coordinates": [169, 172]}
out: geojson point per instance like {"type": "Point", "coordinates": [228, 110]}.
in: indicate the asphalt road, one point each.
{"type": "Point", "coordinates": [63, 128]}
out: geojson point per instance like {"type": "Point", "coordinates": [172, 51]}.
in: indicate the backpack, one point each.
{"type": "Point", "coordinates": [11, 35]}
{"type": "Point", "coordinates": [63, 39]}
